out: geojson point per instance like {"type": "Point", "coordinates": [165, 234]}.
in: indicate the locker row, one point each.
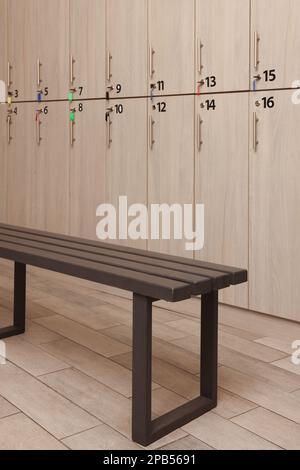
{"type": "Point", "coordinates": [191, 153]}
{"type": "Point", "coordinates": [126, 48]}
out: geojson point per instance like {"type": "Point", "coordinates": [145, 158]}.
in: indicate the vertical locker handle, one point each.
{"type": "Point", "coordinates": [151, 133]}
{"type": "Point", "coordinates": [199, 55]}
{"type": "Point", "coordinates": [256, 50]}
{"type": "Point", "coordinates": [72, 62]}
{"type": "Point", "coordinates": [38, 132]}
{"type": "Point", "coordinates": [8, 123]}
{"type": "Point", "coordinates": [151, 61]}
{"type": "Point", "coordinates": [255, 122]}
{"type": "Point", "coordinates": [199, 132]}
{"type": "Point", "coordinates": [9, 67]}
{"type": "Point", "coordinates": [108, 133]}
{"type": "Point", "coordinates": [72, 138]}
{"type": "Point", "coordinates": [108, 66]}
{"type": "Point", "coordinates": [38, 71]}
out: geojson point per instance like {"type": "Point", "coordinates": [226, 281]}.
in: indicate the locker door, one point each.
{"type": "Point", "coordinates": [126, 155]}
{"type": "Point", "coordinates": [53, 48]}
{"type": "Point", "coordinates": [22, 49]}
{"type": "Point", "coordinates": [171, 160]}
{"type": "Point", "coordinates": [87, 168]}
{"type": "Point", "coordinates": [127, 47]}
{"type": "Point", "coordinates": [221, 174]}
{"type": "Point", "coordinates": [275, 43]}
{"type": "Point", "coordinates": [171, 46]}
{"type": "Point", "coordinates": [274, 270]}
{"type": "Point", "coordinates": [20, 164]}
{"type": "Point", "coordinates": [51, 172]}
{"type": "Point", "coordinates": [3, 161]}
{"type": "Point", "coordinates": [222, 35]}
{"type": "Point", "coordinates": [87, 48]}
{"type": "Point", "coordinates": [3, 44]}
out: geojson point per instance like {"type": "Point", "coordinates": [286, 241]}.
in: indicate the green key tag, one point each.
{"type": "Point", "coordinates": [70, 96]}
{"type": "Point", "coordinates": [72, 116]}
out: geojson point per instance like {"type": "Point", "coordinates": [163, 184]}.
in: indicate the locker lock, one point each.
{"type": "Point", "coordinates": [257, 77]}
{"type": "Point", "coordinates": [257, 103]}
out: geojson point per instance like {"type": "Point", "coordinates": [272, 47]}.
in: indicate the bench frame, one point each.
{"type": "Point", "coordinates": [144, 430]}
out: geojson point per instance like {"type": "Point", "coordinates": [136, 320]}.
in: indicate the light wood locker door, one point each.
{"type": "Point", "coordinates": [53, 48]}
{"type": "Point", "coordinates": [171, 161]}
{"type": "Point", "coordinates": [3, 48]}
{"type": "Point", "coordinates": [126, 156]}
{"type": "Point", "coordinates": [20, 165]}
{"type": "Point", "coordinates": [171, 46]}
{"type": "Point", "coordinates": [22, 49]}
{"type": "Point", "coordinates": [87, 48]}
{"type": "Point", "coordinates": [221, 175]}
{"type": "Point", "coordinates": [3, 160]}
{"type": "Point", "coordinates": [51, 172]}
{"type": "Point", "coordinates": [126, 68]}
{"type": "Point", "coordinates": [275, 41]}
{"type": "Point", "coordinates": [87, 168]}
{"type": "Point", "coordinates": [274, 270]}
{"type": "Point", "coordinates": [222, 45]}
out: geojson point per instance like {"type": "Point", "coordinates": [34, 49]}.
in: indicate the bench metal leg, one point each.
{"type": "Point", "coordinates": [144, 429]}
{"type": "Point", "coordinates": [18, 326]}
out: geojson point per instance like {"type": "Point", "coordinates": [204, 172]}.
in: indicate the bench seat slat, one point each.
{"type": "Point", "coordinates": [237, 275]}
{"type": "Point", "coordinates": [143, 284]}
{"type": "Point", "coordinates": [160, 267]}
{"type": "Point", "coordinates": [196, 282]}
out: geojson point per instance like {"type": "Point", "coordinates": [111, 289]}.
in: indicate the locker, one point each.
{"type": "Point", "coordinates": [171, 160]}
{"type": "Point", "coordinates": [221, 176]}
{"type": "Point", "coordinates": [274, 269]}
{"type": "Point", "coordinates": [3, 42]}
{"type": "Point", "coordinates": [222, 45]}
{"type": "Point", "coordinates": [126, 155]}
{"type": "Point", "coordinates": [22, 49]}
{"type": "Point", "coordinates": [275, 43]}
{"type": "Point", "coordinates": [87, 48]}
{"type": "Point", "coordinates": [3, 161]}
{"type": "Point", "coordinates": [126, 68]}
{"type": "Point", "coordinates": [51, 168]}
{"type": "Point", "coordinates": [87, 168]}
{"type": "Point", "coordinates": [171, 46]}
{"type": "Point", "coordinates": [20, 164]}
{"type": "Point", "coordinates": [52, 60]}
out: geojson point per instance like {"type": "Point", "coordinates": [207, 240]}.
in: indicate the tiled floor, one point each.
{"type": "Point", "coordinates": [67, 381]}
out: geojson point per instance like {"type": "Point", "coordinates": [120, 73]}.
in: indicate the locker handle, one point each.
{"type": "Point", "coordinates": [9, 67]}
{"type": "Point", "coordinates": [256, 50]}
{"type": "Point", "coordinates": [108, 133]}
{"type": "Point", "coordinates": [72, 138]}
{"type": "Point", "coordinates": [199, 132]}
{"type": "Point", "coordinates": [38, 70]}
{"type": "Point", "coordinates": [72, 62]}
{"type": "Point", "coordinates": [38, 131]}
{"type": "Point", "coordinates": [151, 61]}
{"type": "Point", "coordinates": [199, 55]}
{"type": "Point", "coordinates": [108, 66]}
{"type": "Point", "coordinates": [8, 123]}
{"type": "Point", "coordinates": [255, 122]}
{"type": "Point", "coordinates": [151, 132]}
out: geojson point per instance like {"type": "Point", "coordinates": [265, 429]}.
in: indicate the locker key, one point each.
{"type": "Point", "coordinates": [39, 96]}
{"type": "Point", "coordinates": [72, 115]}
{"type": "Point", "coordinates": [71, 94]}
{"type": "Point", "coordinates": [9, 99]}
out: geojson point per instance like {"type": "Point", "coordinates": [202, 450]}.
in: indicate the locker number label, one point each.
{"type": "Point", "coordinates": [268, 103]}
{"type": "Point", "coordinates": [209, 105]}
{"type": "Point", "coordinates": [161, 107]}
{"type": "Point", "coordinates": [270, 75]}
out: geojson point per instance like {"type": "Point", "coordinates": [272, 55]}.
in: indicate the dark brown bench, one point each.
{"type": "Point", "coordinates": [150, 277]}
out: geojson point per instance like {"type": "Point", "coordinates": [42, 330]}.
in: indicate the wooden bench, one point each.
{"type": "Point", "coordinates": [150, 277]}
